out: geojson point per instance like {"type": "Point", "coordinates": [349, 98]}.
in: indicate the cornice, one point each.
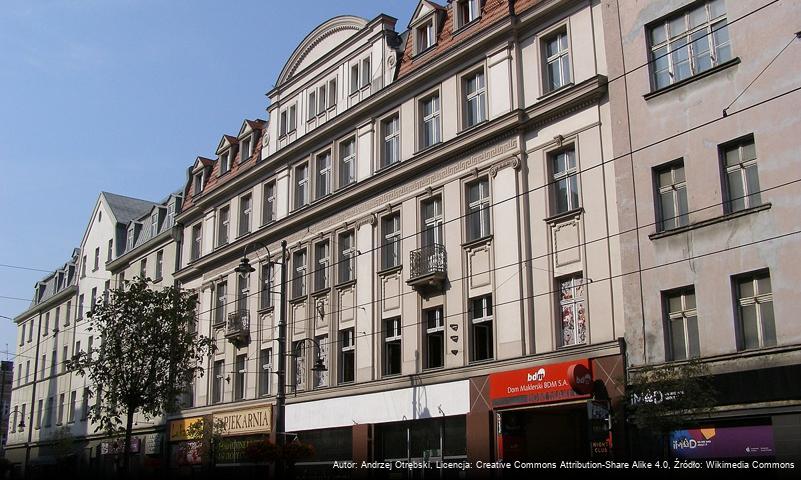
{"type": "Point", "coordinates": [51, 302]}
{"type": "Point", "coordinates": [126, 258]}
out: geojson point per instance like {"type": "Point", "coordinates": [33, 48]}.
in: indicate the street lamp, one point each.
{"type": "Point", "coordinates": [318, 366]}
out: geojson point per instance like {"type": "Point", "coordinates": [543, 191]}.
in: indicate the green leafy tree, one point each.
{"type": "Point", "coordinates": [148, 355]}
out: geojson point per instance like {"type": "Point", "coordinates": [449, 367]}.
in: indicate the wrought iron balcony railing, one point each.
{"type": "Point", "coordinates": [237, 328]}
{"type": "Point", "coordinates": [428, 265]}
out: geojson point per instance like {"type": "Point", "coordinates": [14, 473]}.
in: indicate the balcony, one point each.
{"type": "Point", "coordinates": [428, 266]}
{"type": "Point", "coordinates": [237, 330]}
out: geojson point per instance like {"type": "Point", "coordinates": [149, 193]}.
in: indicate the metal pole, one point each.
{"type": "Point", "coordinates": [280, 399]}
{"type": "Point", "coordinates": [33, 397]}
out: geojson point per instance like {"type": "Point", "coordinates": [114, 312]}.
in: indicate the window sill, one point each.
{"type": "Point", "coordinates": [559, 217]}
{"type": "Point", "coordinates": [470, 128]}
{"type": "Point", "coordinates": [390, 270]}
{"type": "Point", "coordinates": [218, 324]}
{"type": "Point", "coordinates": [723, 66]}
{"type": "Point", "coordinates": [427, 148]}
{"type": "Point", "coordinates": [712, 221]}
{"type": "Point", "coordinates": [482, 361]}
{"type": "Point", "coordinates": [555, 92]}
{"type": "Point", "coordinates": [386, 168]}
{"type": "Point", "coordinates": [422, 53]}
{"type": "Point", "coordinates": [347, 284]}
{"type": "Point", "coordinates": [266, 309]}
{"type": "Point", "coordinates": [299, 299]}
{"type": "Point", "coordinates": [479, 241]}
{"type": "Point", "coordinates": [158, 280]}
{"type": "Point", "coordinates": [466, 26]}
{"type": "Point", "coordinates": [321, 291]}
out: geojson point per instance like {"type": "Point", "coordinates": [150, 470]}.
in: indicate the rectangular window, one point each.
{"type": "Point", "coordinates": [367, 74]}
{"type": "Point", "coordinates": [73, 399]}
{"type": "Point", "coordinates": [354, 78]}
{"type": "Point", "coordinates": [435, 338]}
{"type": "Point", "coordinates": [478, 210]}
{"type": "Point", "coordinates": [90, 345]}
{"type": "Point", "coordinates": [323, 180]}
{"type": "Point", "coordinates": [565, 181]}
{"type": "Point", "coordinates": [299, 364]}
{"type": "Point", "coordinates": [481, 328]}
{"type": "Point", "coordinates": [30, 331]}
{"type": "Point", "coordinates": [557, 60]}
{"type": "Point", "coordinates": [467, 11]}
{"type": "Point", "coordinates": [287, 121]}
{"type": "Point", "coordinates": [688, 43]}
{"type": "Point", "coordinates": [392, 346]}
{"type": "Point", "coordinates": [321, 354]}
{"type": "Point", "coordinates": [426, 37]}
{"type": "Point", "coordinates": [110, 250]}
{"type": "Point", "coordinates": [46, 329]}
{"type": "Point", "coordinates": [61, 400]}
{"type": "Point", "coordinates": [39, 413]}
{"type": "Point", "coordinates": [430, 121]}
{"type": "Point", "coordinates": [223, 220]}
{"type": "Point", "coordinates": [475, 99]}
{"type": "Point", "coordinates": [142, 269]}
{"type": "Point", "coordinates": [56, 321]}
{"type": "Point", "coordinates": [347, 162]}
{"type": "Point", "coordinates": [243, 291]}
{"type": "Point", "coordinates": [53, 362]}
{"type": "Point", "coordinates": [245, 210]}
{"type": "Point", "coordinates": [346, 257]}
{"type": "Point", "coordinates": [755, 305]}
{"type": "Point", "coordinates": [14, 420]}
{"type": "Point", "coordinates": [742, 178]}
{"type": "Point", "coordinates": [171, 213]}
{"type": "Point", "coordinates": [321, 100]}
{"type": "Point", "coordinates": [265, 370]}
{"type": "Point", "coordinates": [301, 185]}
{"type": "Point", "coordinates": [106, 288]}
{"type": "Point", "coordinates": [312, 106]}
{"type": "Point", "coordinates": [83, 259]}
{"type": "Point", "coordinates": [159, 264]}
{"type": "Point", "coordinates": [672, 189]}
{"type": "Point", "coordinates": [154, 225]}
{"type": "Point", "coordinates": [97, 259]}
{"type": "Point", "coordinates": [197, 240]}
{"type": "Point", "coordinates": [322, 262]}
{"type": "Point", "coordinates": [268, 210]}
{"type": "Point", "coordinates": [218, 381]}
{"type": "Point", "coordinates": [80, 307]}
{"type": "Point", "coordinates": [85, 404]}
{"type": "Point", "coordinates": [347, 356]}
{"type": "Point", "coordinates": [239, 377]}
{"type": "Point", "coordinates": [94, 297]}
{"type": "Point", "coordinates": [22, 414]}
{"type": "Point", "coordinates": [299, 279]}
{"type": "Point", "coordinates": [68, 314]}
{"type": "Point", "coordinates": [682, 324]}
{"type": "Point", "coordinates": [332, 92]}
{"type": "Point", "coordinates": [198, 184]}
{"type": "Point", "coordinates": [65, 352]}
{"type": "Point", "coordinates": [246, 150]}
{"type": "Point", "coordinates": [22, 330]}
{"type": "Point", "coordinates": [390, 241]}
{"type": "Point", "coordinates": [573, 322]}
{"type": "Point", "coordinates": [220, 306]}
{"type": "Point", "coordinates": [225, 162]}
{"type": "Point", "coordinates": [27, 371]}
{"type": "Point", "coordinates": [48, 420]}
{"type": "Point", "coordinates": [390, 129]}
{"type": "Point", "coordinates": [431, 233]}
{"type": "Point", "coordinates": [267, 285]}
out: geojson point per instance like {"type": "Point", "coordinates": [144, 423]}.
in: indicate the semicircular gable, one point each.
{"type": "Point", "coordinates": [319, 42]}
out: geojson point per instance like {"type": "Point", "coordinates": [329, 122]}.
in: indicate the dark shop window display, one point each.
{"type": "Point", "coordinates": [423, 440]}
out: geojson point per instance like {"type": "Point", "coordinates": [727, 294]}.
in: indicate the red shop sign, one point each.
{"type": "Point", "coordinates": [542, 384]}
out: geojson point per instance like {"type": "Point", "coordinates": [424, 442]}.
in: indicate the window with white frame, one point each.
{"type": "Point", "coordinates": [287, 121]}
{"type": "Point", "coordinates": [110, 250]}
{"type": "Point", "coordinates": [159, 264]}
{"type": "Point", "coordinates": [367, 74]}
{"type": "Point", "coordinates": [197, 240]}
{"type": "Point", "coordinates": [243, 291]}
{"type": "Point", "coordinates": [323, 179]}
{"type": "Point", "coordinates": [431, 231]}
{"type": "Point", "coordinates": [557, 60]}
{"type": "Point", "coordinates": [301, 185]}
{"type": "Point", "coordinates": [246, 148]}
{"type": "Point", "coordinates": [299, 364]}
{"type": "Point", "coordinates": [321, 354]}
{"type": "Point", "coordinates": [218, 381]}
{"type": "Point", "coordinates": [154, 224]}
{"type": "Point", "coordinates": [268, 213]}
{"type": "Point", "coordinates": [682, 324]}
{"type": "Point", "coordinates": [240, 374]}
{"type": "Point", "coordinates": [390, 132]}
{"type": "Point", "coordinates": [689, 42]}
{"type": "Point", "coordinates": [565, 180]}
{"type": "Point", "coordinates": [755, 305]}
{"type": "Point", "coordinates": [478, 209]}
{"type": "Point", "coordinates": [672, 190]}
{"type": "Point", "coordinates": [360, 75]}
{"type": "Point", "coordinates": [347, 162]}
{"type": "Point", "coordinates": [198, 183]}
{"type": "Point", "coordinates": [245, 211]}
{"type": "Point", "coordinates": [223, 221]}
{"type": "Point", "coordinates": [80, 306]}
{"type": "Point", "coordinates": [475, 98]}
{"type": "Point", "coordinates": [347, 356]}
{"type": "Point", "coordinates": [390, 241]}
{"type": "Point", "coordinates": [425, 36]}
{"type": "Point", "coordinates": [467, 11]}
{"type": "Point", "coordinates": [430, 121]}
{"type": "Point", "coordinates": [61, 403]}
{"type": "Point", "coordinates": [742, 177]}
{"type": "Point", "coordinates": [346, 257]}
{"type": "Point", "coordinates": [333, 93]}
{"type": "Point", "coordinates": [267, 281]}
{"type": "Point", "coordinates": [434, 338]}
{"type": "Point", "coordinates": [225, 162]}
{"type": "Point", "coordinates": [312, 105]}
{"type": "Point", "coordinates": [220, 305]}
{"type": "Point", "coordinates": [299, 278]}
{"type": "Point", "coordinates": [322, 264]}
{"type": "Point", "coordinates": [481, 331]}
{"type": "Point", "coordinates": [265, 370]}
{"type": "Point", "coordinates": [97, 259]}
{"type": "Point", "coordinates": [573, 317]}
{"type": "Point", "coordinates": [129, 245]}
{"type": "Point", "coordinates": [392, 346]}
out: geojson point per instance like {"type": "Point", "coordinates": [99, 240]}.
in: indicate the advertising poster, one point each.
{"type": "Point", "coordinates": [727, 442]}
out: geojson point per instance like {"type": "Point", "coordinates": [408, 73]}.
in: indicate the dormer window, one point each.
{"type": "Point", "coordinates": [466, 12]}
{"type": "Point", "coordinates": [426, 36]}
{"type": "Point", "coordinates": [154, 224]}
{"type": "Point", "coordinates": [171, 213]}
{"type": "Point", "coordinates": [247, 148]}
{"type": "Point", "coordinates": [198, 187]}
{"type": "Point", "coordinates": [225, 162]}
{"type": "Point", "coordinates": [129, 245]}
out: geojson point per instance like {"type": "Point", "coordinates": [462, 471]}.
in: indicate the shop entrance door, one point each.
{"type": "Point", "coordinates": [544, 434]}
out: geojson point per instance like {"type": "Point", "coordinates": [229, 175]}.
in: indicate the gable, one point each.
{"type": "Point", "coordinates": [423, 10]}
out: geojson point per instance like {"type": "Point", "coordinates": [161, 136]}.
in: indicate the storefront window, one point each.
{"type": "Point", "coordinates": [330, 444]}
{"type": "Point", "coordinates": [430, 439]}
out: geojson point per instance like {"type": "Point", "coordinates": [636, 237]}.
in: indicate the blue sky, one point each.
{"type": "Point", "coordinates": [122, 95]}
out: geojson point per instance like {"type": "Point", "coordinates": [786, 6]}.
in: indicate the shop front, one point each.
{"type": "Point", "coordinates": [237, 430]}
{"type": "Point", "coordinates": [551, 412]}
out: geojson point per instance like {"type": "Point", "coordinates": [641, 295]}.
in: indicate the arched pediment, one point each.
{"type": "Point", "coordinates": [319, 42]}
